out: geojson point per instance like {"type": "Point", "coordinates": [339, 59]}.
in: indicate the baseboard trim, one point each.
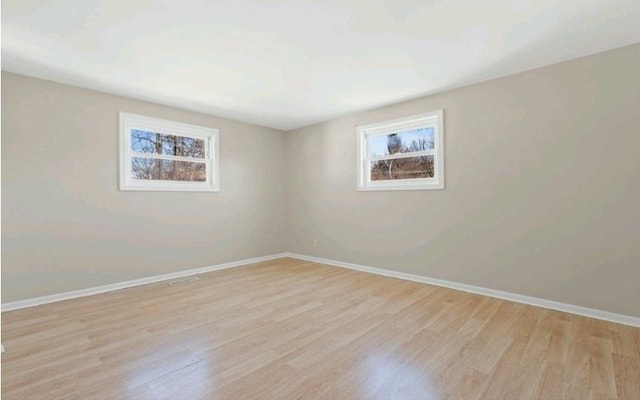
{"type": "Point", "coordinates": [518, 298]}
{"type": "Point", "coordinates": [36, 301]}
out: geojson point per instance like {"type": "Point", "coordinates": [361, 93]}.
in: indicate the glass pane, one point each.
{"type": "Point", "coordinates": [168, 145]}
{"type": "Point", "coordinates": [167, 170]}
{"type": "Point", "coordinates": [401, 142]}
{"type": "Point", "coordinates": [402, 168]}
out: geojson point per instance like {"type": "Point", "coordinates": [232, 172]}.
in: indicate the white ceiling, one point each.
{"type": "Point", "coordinates": [287, 64]}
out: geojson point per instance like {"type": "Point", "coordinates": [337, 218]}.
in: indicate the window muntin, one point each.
{"type": "Point", "coordinates": [165, 155]}
{"type": "Point", "coordinates": [402, 154]}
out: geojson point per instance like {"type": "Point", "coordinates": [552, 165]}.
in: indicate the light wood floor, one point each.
{"type": "Point", "coordinates": [289, 329]}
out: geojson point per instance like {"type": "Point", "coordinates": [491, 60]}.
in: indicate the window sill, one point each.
{"type": "Point", "coordinates": [376, 188]}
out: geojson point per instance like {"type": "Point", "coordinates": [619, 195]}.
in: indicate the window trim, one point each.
{"type": "Point", "coordinates": [434, 119]}
{"type": "Point", "coordinates": [130, 121]}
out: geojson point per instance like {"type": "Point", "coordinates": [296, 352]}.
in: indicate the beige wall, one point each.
{"type": "Point", "coordinates": [65, 224]}
{"type": "Point", "coordinates": [542, 190]}
{"type": "Point", "coordinates": [542, 196]}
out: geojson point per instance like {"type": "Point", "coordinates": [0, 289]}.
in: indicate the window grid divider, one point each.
{"type": "Point", "coordinates": [396, 156]}
{"type": "Point", "coordinates": [167, 157]}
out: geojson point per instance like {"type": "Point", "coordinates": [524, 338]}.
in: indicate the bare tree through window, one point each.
{"type": "Point", "coordinates": [145, 142]}
{"type": "Point", "coordinates": [403, 168]}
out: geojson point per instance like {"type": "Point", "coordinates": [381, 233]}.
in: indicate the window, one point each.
{"type": "Point", "coordinates": [164, 155]}
{"type": "Point", "coordinates": [402, 154]}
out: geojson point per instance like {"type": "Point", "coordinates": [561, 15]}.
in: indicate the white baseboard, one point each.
{"type": "Point", "coordinates": [518, 298]}
{"type": "Point", "coordinates": [16, 305]}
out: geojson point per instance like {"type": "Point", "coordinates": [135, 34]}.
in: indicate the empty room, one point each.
{"type": "Point", "coordinates": [337, 199]}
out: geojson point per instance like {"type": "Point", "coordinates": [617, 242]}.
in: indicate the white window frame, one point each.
{"type": "Point", "coordinates": [130, 121]}
{"type": "Point", "coordinates": [432, 119]}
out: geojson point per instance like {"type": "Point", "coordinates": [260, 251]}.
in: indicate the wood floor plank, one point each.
{"type": "Point", "coordinates": [291, 329]}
